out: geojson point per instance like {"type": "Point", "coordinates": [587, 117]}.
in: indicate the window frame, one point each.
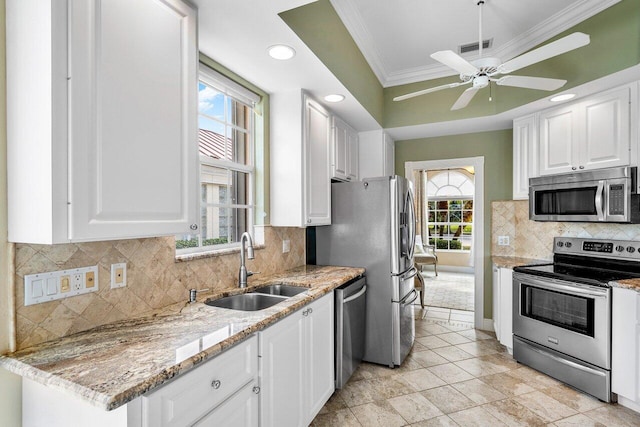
{"type": "Point", "coordinates": [238, 93]}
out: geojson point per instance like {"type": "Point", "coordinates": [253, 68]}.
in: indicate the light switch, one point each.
{"type": "Point", "coordinates": [36, 288]}
{"type": "Point", "coordinates": [52, 286]}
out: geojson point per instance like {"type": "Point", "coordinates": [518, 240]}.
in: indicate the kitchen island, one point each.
{"type": "Point", "coordinates": [114, 364]}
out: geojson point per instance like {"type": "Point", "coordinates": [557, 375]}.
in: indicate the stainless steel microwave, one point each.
{"type": "Point", "coordinates": [601, 195]}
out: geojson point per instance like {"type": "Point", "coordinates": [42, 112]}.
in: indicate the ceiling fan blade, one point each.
{"type": "Point", "coordinates": [432, 89]}
{"type": "Point", "coordinates": [466, 97]}
{"type": "Point", "coordinates": [540, 83]}
{"type": "Point", "coordinates": [558, 47]}
{"type": "Point", "coordinates": [455, 61]}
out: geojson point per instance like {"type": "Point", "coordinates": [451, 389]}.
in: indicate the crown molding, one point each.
{"type": "Point", "coordinates": [561, 21]}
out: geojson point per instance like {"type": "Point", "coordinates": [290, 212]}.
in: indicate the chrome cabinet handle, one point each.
{"type": "Point", "coordinates": [305, 313]}
{"type": "Point", "coordinates": [216, 384]}
{"type": "Point", "coordinates": [256, 390]}
{"type": "Point", "coordinates": [581, 167]}
{"type": "Point", "coordinates": [310, 310]}
{"type": "Point", "coordinates": [193, 226]}
{"type": "Point", "coordinates": [573, 168]}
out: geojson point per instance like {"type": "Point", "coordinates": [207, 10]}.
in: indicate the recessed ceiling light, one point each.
{"type": "Point", "coordinates": [281, 51]}
{"type": "Point", "coordinates": [335, 97]}
{"type": "Point", "coordinates": [563, 97]}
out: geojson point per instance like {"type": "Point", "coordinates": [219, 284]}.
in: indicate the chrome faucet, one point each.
{"type": "Point", "coordinates": [243, 273]}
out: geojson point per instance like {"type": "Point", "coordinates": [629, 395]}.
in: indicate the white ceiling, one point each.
{"type": "Point", "coordinates": [396, 37]}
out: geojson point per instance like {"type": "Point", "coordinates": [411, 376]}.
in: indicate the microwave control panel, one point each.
{"type": "Point", "coordinates": [616, 199]}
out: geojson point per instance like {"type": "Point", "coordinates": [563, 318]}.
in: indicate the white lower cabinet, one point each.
{"type": "Point", "coordinates": [503, 306]}
{"type": "Point", "coordinates": [218, 387]}
{"type": "Point", "coordinates": [241, 410]}
{"type": "Point", "coordinates": [625, 347]}
{"type": "Point", "coordinates": [297, 365]}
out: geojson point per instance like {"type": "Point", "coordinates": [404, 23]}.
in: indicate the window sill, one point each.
{"type": "Point", "coordinates": [212, 253]}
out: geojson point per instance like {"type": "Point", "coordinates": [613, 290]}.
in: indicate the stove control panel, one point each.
{"type": "Point", "coordinates": [603, 248]}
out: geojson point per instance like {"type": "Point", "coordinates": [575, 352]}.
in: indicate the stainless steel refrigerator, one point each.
{"type": "Point", "coordinates": [373, 226]}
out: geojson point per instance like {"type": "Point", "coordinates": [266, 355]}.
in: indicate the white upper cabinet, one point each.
{"type": "Point", "coordinates": [300, 161]}
{"type": "Point", "coordinates": [524, 155]}
{"type": "Point", "coordinates": [344, 151]}
{"type": "Point", "coordinates": [109, 151]}
{"type": "Point", "coordinates": [377, 154]}
{"type": "Point", "coordinates": [589, 134]}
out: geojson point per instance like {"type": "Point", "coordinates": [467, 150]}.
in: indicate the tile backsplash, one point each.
{"type": "Point", "coordinates": [154, 279]}
{"type": "Point", "coordinates": [532, 239]}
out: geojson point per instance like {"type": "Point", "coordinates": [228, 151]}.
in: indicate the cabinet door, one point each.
{"type": "Point", "coordinates": [339, 147]}
{"type": "Point", "coordinates": [524, 155]}
{"type": "Point", "coordinates": [625, 344]}
{"type": "Point", "coordinates": [557, 139]}
{"type": "Point", "coordinates": [195, 393]}
{"type": "Point", "coordinates": [282, 373]}
{"type": "Point", "coordinates": [352, 156]}
{"type": "Point", "coordinates": [506, 308]}
{"type": "Point", "coordinates": [132, 126]}
{"type": "Point", "coordinates": [606, 126]}
{"type": "Point", "coordinates": [317, 128]}
{"type": "Point", "coordinates": [241, 410]}
{"type": "Point", "coordinates": [389, 155]}
{"type": "Point", "coordinates": [320, 354]}
{"type": "Point", "coordinates": [496, 301]}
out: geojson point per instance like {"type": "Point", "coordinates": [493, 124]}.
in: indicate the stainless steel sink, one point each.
{"type": "Point", "coordinates": [246, 302]}
{"type": "Point", "coordinates": [280, 289]}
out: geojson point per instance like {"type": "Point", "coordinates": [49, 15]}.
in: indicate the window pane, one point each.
{"type": "Point", "coordinates": [239, 146]}
{"type": "Point", "coordinates": [431, 204]}
{"type": "Point", "coordinates": [187, 241]}
{"type": "Point", "coordinates": [455, 216]}
{"type": "Point", "coordinates": [215, 227]}
{"type": "Point", "coordinates": [443, 204]}
{"type": "Point", "coordinates": [215, 183]}
{"type": "Point", "coordinates": [467, 216]}
{"type": "Point", "coordinates": [441, 216]}
{"type": "Point", "coordinates": [432, 216]}
{"type": "Point", "coordinates": [468, 204]}
{"type": "Point", "coordinates": [239, 188]}
{"type": "Point", "coordinates": [210, 102]}
{"type": "Point", "coordinates": [455, 205]}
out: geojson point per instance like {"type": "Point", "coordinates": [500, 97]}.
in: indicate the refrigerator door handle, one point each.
{"type": "Point", "coordinates": [404, 301]}
{"type": "Point", "coordinates": [409, 273]}
{"type": "Point", "coordinates": [411, 224]}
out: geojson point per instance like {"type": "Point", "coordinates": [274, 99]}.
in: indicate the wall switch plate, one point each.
{"type": "Point", "coordinates": [503, 240]}
{"type": "Point", "coordinates": [118, 275]}
{"type": "Point", "coordinates": [55, 285]}
{"type": "Point", "coordinates": [286, 246]}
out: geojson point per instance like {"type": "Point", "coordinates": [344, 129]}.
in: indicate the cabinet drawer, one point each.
{"type": "Point", "coordinates": [193, 395]}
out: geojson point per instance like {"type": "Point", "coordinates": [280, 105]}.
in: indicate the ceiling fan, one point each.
{"type": "Point", "coordinates": [481, 72]}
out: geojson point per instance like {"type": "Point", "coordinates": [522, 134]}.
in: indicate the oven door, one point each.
{"type": "Point", "coordinates": [571, 318]}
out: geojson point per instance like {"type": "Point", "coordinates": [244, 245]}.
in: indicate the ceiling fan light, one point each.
{"type": "Point", "coordinates": [334, 97]}
{"type": "Point", "coordinates": [563, 97]}
{"type": "Point", "coordinates": [281, 52]}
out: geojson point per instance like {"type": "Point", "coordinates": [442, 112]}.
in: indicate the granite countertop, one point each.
{"type": "Point", "coordinates": [633, 284]}
{"type": "Point", "coordinates": [512, 261]}
{"type": "Point", "coordinates": [113, 364]}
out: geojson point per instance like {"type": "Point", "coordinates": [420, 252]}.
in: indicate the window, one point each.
{"type": "Point", "coordinates": [226, 145]}
{"type": "Point", "coordinates": [450, 209]}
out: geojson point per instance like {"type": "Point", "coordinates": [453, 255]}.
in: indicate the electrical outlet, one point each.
{"type": "Point", "coordinates": [65, 284]}
{"type": "Point", "coordinates": [503, 240]}
{"type": "Point", "coordinates": [118, 275]}
{"type": "Point", "coordinates": [76, 281]}
{"type": "Point", "coordinates": [89, 279]}
{"type": "Point", "coordinates": [286, 246]}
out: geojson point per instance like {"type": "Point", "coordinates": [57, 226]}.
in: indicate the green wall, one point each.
{"type": "Point", "coordinates": [615, 45]}
{"type": "Point", "coordinates": [497, 149]}
{"type": "Point", "coordinates": [320, 27]}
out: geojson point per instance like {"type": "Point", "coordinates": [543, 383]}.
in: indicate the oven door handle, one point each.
{"type": "Point", "coordinates": [600, 200]}
{"type": "Point", "coordinates": [557, 285]}
{"type": "Point", "coordinates": [567, 362]}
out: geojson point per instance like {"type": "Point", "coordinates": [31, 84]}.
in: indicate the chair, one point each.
{"type": "Point", "coordinates": [425, 255]}
{"type": "Point", "coordinates": [422, 257]}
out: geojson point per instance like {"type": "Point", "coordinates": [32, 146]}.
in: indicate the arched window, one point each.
{"type": "Point", "coordinates": [450, 208]}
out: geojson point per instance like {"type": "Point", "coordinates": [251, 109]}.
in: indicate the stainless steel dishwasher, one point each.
{"type": "Point", "coordinates": [350, 306]}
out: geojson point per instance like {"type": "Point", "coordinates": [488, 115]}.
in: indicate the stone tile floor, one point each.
{"type": "Point", "coordinates": [449, 290]}
{"type": "Point", "coordinates": [459, 376]}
